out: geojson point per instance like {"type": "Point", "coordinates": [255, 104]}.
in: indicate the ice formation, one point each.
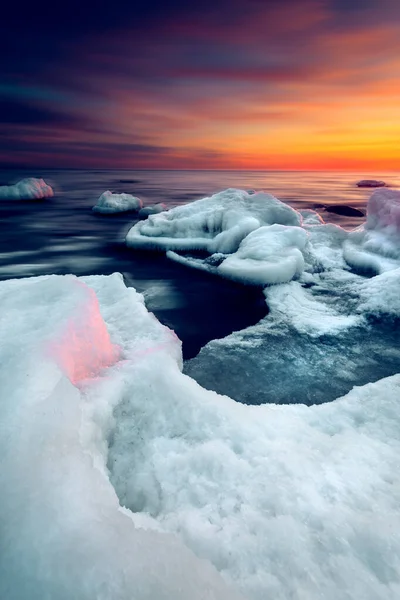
{"type": "Point", "coordinates": [258, 491]}
{"type": "Point", "coordinates": [115, 203]}
{"type": "Point", "coordinates": [215, 224]}
{"type": "Point", "coordinates": [258, 240]}
{"type": "Point", "coordinates": [154, 209]}
{"type": "Point", "coordinates": [63, 534]}
{"type": "Point", "coordinates": [26, 189]}
{"type": "Point", "coordinates": [375, 246]}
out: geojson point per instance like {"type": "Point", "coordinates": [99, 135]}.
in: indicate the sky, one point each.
{"type": "Point", "coordinates": [210, 84]}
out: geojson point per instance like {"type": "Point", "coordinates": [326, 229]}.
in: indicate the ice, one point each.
{"type": "Point", "coordinates": [152, 210]}
{"type": "Point", "coordinates": [268, 255]}
{"type": "Point", "coordinates": [380, 296]}
{"type": "Point", "coordinates": [215, 224]}
{"type": "Point", "coordinates": [286, 502]}
{"type": "Point", "coordinates": [26, 189]}
{"type": "Point", "coordinates": [375, 246]}
{"type": "Point", "coordinates": [115, 203]}
{"type": "Point", "coordinates": [63, 534]}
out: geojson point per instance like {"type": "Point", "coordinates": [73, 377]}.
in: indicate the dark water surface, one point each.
{"type": "Point", "coordinates": [62, 235]}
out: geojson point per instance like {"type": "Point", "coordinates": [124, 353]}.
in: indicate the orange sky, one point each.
{"type": "Point", "coordinates": [294, 85]}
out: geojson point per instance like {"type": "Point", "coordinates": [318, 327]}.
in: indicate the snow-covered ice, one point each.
{"type": "Point", "coordinates": [286, 502]}
{"type": "Point", "coordinates": [123, 478]}
{"type": "Point", "coordinates": [153, 209]}
{"type": "Point", "coordinates": [375, 246]}
{"type": "Point", "coordinates": [63, 534]}
{"type": "Point", "coordinates": [115, 203]}
{"type": "Point", "coordinates": [215, 224]}
{"type": "Point", "coordinates": [26, 189]}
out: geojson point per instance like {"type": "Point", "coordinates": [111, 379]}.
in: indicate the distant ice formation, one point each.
{"type": "Point", "coordinates": [122, 478]}
{"type": "Point", "coordinates": [115, 203]}
{"type": "Point", "coordinates": [26, 189]}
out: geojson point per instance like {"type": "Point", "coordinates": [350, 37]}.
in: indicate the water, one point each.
{"type": "Point", "coordinates": [62, 235]}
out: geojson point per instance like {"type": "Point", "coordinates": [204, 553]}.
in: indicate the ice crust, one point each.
{"type": "Point", "coordinates": [152, 210]}
{"type": "Point", "coordinates": [26, 189]}
{"type": "Point", "coordinates": [375, 246]}
{"type": "Point", "coordinates": [115, 203]}
{"type": "Point", "coordinates": [122, 478]}
{"type": "Point", "coordinates": [215, 224]}
{"type": "Point", "coordinates": [63, 534]}
{"type": "Point", "coordinates": [258, 491]}
{"type": "Point", "coordinates": [263, 241]}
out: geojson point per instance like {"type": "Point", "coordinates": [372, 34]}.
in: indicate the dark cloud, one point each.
{"type": "Point", "coordinates": [13, 111]}
{"type": "Point", "coordinates": [133, 76]}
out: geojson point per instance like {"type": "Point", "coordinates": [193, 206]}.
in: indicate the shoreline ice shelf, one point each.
{"type": "Point", "coordinates": [122, 477]}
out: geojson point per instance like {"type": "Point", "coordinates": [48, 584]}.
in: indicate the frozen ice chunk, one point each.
{"type": "Point", "coordinates": [152, 210]}
{"type": "Point", "coordinates": [380, 295]}
{"type": "Point", "coordinates": [26, 189]}
{"type": "Point", "coordinates": [310, 217]}
{"type": "Point", "coordinates": [215, 224]}
{"type": "Point", "coordinates": [271, 254]}
{"type": "Point", "coordinates": [376, 245]}
{"type": "Point", "coordinates": [63, 532]}
{"type": "Point", "coordinates": [115, 203]}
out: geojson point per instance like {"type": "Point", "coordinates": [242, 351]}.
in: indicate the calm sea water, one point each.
{"type": "Point", "coordinates": [62, 235]}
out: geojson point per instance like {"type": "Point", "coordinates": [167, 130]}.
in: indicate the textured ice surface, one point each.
{"type": "Point", "coordinates": [271, 254]}
{"type": "Point", "coordinates": [215, 224]}
{"type": "Point", "coordinates": [63, 534]}
{"type": "Point", "coordinates": [115, 203]}
{"type": "Point", "coordinates": [375, 246]}
{"type": "Point", "coordinates": [26, 189]}
{"type": "Point", "coordinates": [152, 210]}
{"type": "Point", "coordinates": [287, 502]}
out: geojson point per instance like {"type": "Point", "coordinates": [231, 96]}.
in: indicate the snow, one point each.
{"type": "Point", "coordinates": [375, 246]}
{"type": "Point", "coordinates": [63, 533]}
{"type": "Point", "coordinates": [26, 189]}
{"type": "Point", "coordinates": [152, 210]}
{"type": "Point", "coordinates": [271, 254]}
{"type": "Point", "coordinates": [215, 224]}
{"type": "Point", "coordinates": [115, 203]}
{"type": "Point", "coordinates": [286, 502]}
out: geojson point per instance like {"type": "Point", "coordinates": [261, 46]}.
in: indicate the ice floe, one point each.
{"type": "Point", "coordinates": [286, 502]}
{"type": "Point", "coordinates": [26, 189]}
{"type": "Point", "coordinates": [115, 203]}
{"type": "Point", "coordinates": [375, 246]}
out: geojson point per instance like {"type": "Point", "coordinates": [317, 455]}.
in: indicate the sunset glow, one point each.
{"type": "Point", "coordinates": [245, 85]}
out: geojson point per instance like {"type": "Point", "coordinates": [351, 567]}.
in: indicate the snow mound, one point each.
{"type": "Point", "coordinates": [271, 254]}
{"type": "Point", "coordinates": [375, 246]}
{"type": "Point", "coordinates": [258, 491]}
{"type": "Point", "coordinates": [380, 295]}
{"type": "Point", "coordinates": [152, 210]}
{"type": "Point", "coordinates": [63, 534]}
{"type": "Point", "coordinates": [215, 224]}
{"type": "Point", "coordinates": [115, 203]}
{"type": "Point", "coordinates": [26, 189]}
